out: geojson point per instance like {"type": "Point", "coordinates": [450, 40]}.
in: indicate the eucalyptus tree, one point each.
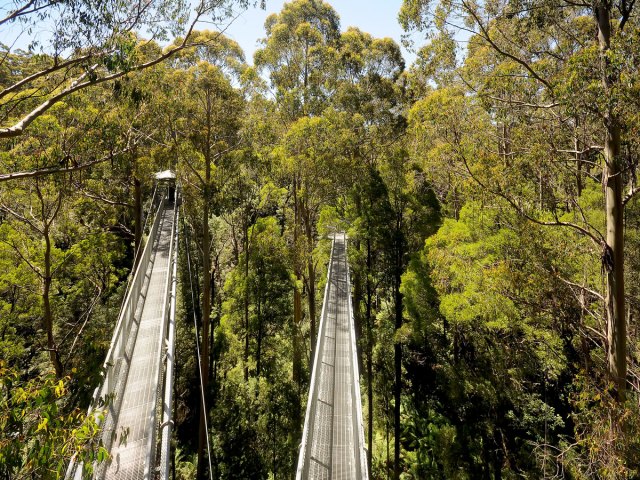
{"type": "Point", "coordinates": [369, 88]}
{"type": "Point", "coordinates": [205, 132]}
{"type": "Point", "coordinates": [299, 55]}
{"type": "Point", "coordinates": [40, 210]}
{"type": "Point", "coordinates": [318, 155]}
{"type": "Point", "coordinates": [564, 69]}
{"type": "Point", "coordinates": [89, 44]}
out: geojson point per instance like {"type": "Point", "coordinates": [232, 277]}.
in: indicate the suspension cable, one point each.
{"type": "Point", "coordinates": [195, 323]}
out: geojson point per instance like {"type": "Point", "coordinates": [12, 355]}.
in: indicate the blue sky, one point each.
{"type": "Point", "coordinates": [377, 17]}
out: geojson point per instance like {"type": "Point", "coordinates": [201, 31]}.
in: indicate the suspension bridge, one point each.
{"type": "Point", "coordinates": [136, 393]}
{"type": "Point", "coordinates": [333, 437]}
{"type": "Point", "coordinates": [133, 405]}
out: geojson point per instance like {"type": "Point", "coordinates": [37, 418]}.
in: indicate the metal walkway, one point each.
{"type": "Point", "coordinates": [137, 419]}
{"type": "Point", "coordinates": [333, 437]}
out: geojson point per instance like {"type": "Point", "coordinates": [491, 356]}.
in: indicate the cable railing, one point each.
{"type": "Point", "coordinates": [157, 412]}
{"type": "Point", "coordinates": [358, 424]}
{"type": "Point", "coordinates": [163, 413]}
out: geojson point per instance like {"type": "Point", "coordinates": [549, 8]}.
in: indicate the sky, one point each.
{"type": "Point", "coordinates": [377, 17]}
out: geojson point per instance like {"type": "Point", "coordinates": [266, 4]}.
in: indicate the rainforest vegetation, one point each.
{"type": "Point", "coordinates": [488, 191]}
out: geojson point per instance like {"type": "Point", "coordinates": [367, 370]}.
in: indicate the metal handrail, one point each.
{"type": "Point", "coordinates": [357, 420]}
{"type": "Point", "coordinates": [153, 424]}
{"type": "Point", "coordinates": [120, 338]}
{"type": "Point", "coordinates": [313, 393]}
{"type": "Point", "coordinates": [167, 407]}
{"type": "Point", "coordinates": [302, 471]}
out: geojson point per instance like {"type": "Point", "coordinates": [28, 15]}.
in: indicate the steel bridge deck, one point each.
{"type": "Point", "coordinates": [138, 377]}
{"type": "Point", "coordinates": [334, 446]}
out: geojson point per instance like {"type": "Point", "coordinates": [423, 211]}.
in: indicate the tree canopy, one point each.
{"type": "Point", "coordinates": [488, 192]}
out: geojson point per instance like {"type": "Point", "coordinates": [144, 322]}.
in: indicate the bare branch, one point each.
{"type": "Point", "coordinates": [51, 171]}
{"type": "Point", "coordinates": [79, 84]}
{"type": "Point", "coordinates": [95, 196]}
{"type": "Point", "coordinates": [581, 152]}
{"type": "Point", "coordinates": [525, 104]}
{"type": "Point", "coordinates": [87, 315]}
{"type": "Point", "coordinates": [625, 9]}
{"type": "Point", "coordinates": [33, 267]}
{"type": "Point", "coordinates": [630, 195]}
{"type": "Point", "coordinates": [599, 241]}
{"type": "Point", "coordinates": [581, 287]}
{"type": "Point", "coordinates": [55, 67]}
{"type": "Point", "coordinates": [21, 218]}
{"type": "Point", "coordinates": [25, 10]}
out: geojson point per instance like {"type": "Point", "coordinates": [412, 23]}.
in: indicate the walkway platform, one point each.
{"type": "Point", "coordinates": [333, 439]}
{"type": "Point", "coordinates": [139, 381]}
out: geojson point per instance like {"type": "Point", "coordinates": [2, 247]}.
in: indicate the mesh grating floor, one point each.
{"type": "Point", "coordinates": [139, 374]}
{"type": "Point", "coordinates": [333, 445]}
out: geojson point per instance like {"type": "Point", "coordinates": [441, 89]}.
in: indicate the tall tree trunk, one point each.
{"type": "Point", "coordinates": [297, 314]}
{"type": "Point", "coordinates": [578, 157]}
{"type": "Point", "coordinates": [613, 256]}
{"type": "Point", "coordinates": [260, 334]}
{"type": "Point", "coordinates": [357, 301]}
{"type": "Point", "coordinates": [54, 354]}
{"type": "Point", "coordinates": [397, 388]}
{"type": "Point", "coordinates": [206, 299]}
{"type": "Point", "coordinates": [357, 288]}
{"type": "Point", "coordinates": [213, 322]}
{"type": "Point", "coordinates": [369, 354]}
{"type": "Point", "coordinates": [245, 241]}
{"type": "Point", "coordinates": [307, 221]}
{"type": "Point", "coordinates": [311, 275]}
{"type": "Point", "coordinates": [614, 263]}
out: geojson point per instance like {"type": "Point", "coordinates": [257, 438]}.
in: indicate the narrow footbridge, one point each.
{"type": "Point", "coordinates": [333, 437]}
{"type": "Point", "coordinates": [136, 394]}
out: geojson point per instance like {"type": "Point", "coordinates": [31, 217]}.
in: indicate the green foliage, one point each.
{"type": "Point", "coordinates": [253, 426]}
{"type": "Point", "coordinates": [39, 430]}
{"type": "Point", "coordinates": [470, 186]}
{"type": "Point", "coordinates": [488, 361]}
{"type": "Point", "coordinates": [299, 53]}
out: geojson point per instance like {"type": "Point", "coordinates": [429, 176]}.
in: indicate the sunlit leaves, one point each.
{"type": "Point", "coordinates": [38, 437]}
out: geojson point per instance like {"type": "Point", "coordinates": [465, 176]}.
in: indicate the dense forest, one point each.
{"type": "Point", "coordinates": [488, 191]}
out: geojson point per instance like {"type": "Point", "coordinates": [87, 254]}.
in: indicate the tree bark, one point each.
{"type": "Point", "coordinates": [578, 158]}
{"type": "Point", "coordinates": [297, 314]}
{"type": "Point", "coordinates": [614, 263]}
{"type": "Point", "coordinates": [613, 256]}
{"type": "Point", "coordinates": [369, 354]}
{"type": "Point", "coordinates": [397, 388]}
{"type": "Point", "coordinates": [306, 220]}
{"type": "Point", "coordinates": [245, 240]}
{"type": "Point", "coordinates": [206, 298]}
{"type": "Point", "coordinates": [311, 275]}
{"type": "Point", "coordinates": [52, 348]}
{"type": "Point", "coordinates": [260, 334]}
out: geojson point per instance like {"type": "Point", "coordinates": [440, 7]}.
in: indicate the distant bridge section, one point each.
{"type": "Point", "coordinates": [333, 436]}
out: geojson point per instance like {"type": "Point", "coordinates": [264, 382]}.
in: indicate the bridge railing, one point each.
{"type": "Point", "coordinates": [305, 445]}
{"type": "Point", "coordinates": [120, 337]}
{"type": "Point", "coordinates": [358, 425]}
{"type": "Point", "coordinates": [167, 405]}
{"type": "Point", "coordinates": [164, 380]}
{"type": "Point", "coordinates": [117, 348]}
